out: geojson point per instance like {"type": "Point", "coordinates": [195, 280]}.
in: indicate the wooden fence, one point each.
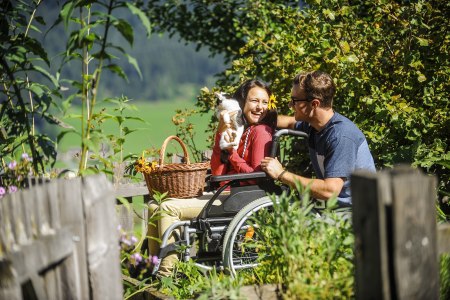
{"type": "Point", "coordinates": [59, 240]}
{"type": "Point", "coordinates": [397, 241]}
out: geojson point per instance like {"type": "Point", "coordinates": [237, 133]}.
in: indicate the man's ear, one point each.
{"type": "Point", "coordinates": [315, 103]}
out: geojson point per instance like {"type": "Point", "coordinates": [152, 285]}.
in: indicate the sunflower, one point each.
{"type": "Point", "coordinates": [272, 102]}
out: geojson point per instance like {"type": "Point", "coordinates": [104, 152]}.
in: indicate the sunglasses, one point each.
{"type": "Point", "coordinates": [295, 100]}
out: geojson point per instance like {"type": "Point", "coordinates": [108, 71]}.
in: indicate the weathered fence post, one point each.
{"type": "Point", "coordinates": [394, 219]}
{"type": "Point", "coordinates": [102, 238]}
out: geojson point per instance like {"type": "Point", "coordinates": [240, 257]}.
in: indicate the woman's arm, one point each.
{"type": "Point", "coordinates": [217, 166]}
{"type": "Point", "coordinates": [258, 147]}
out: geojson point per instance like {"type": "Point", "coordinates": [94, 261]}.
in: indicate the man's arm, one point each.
{"type": "Point", "coordinates": [284, 121]}
{"type": "Point", "coordinates": [320, 188]}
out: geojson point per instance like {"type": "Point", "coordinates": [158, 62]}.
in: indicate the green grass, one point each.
{"type": "Point", "coordinates": [158, 126]}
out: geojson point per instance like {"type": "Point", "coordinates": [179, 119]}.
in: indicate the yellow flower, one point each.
{"type": "Point", "coordinates": [143, 166]}
{"type": "Point", "coordinates": [272, 102]}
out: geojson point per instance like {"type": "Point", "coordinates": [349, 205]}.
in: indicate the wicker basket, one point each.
{"type": "Point", "coordinates": [184, 180]}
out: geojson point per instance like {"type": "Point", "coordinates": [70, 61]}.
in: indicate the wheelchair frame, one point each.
{"type": "Point", "coordinates": [217, 227]}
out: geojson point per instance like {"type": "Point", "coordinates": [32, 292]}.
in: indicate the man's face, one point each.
{"type": "Point", "coordinates": [300, 104]}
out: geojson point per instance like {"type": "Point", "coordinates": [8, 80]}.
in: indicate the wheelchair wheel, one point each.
{"type": "Point", "coordinates": [239, 252]}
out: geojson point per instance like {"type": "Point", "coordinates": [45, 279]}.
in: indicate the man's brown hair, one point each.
{"type": "Point", "coordinates": [317, 85]}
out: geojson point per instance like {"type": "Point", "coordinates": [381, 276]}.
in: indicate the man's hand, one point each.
{"type": "Point", "coordinates": [272, 167]}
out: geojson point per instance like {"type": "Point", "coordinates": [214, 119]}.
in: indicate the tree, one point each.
{"type": "Point", "coordinates": [87, 47]}
{"type": "Point", "coordinates": [390, 60]}
{"type": "Point", "coordinates": [23, 102]}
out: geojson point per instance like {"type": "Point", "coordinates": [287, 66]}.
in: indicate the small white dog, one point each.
{"type": "Point", "coordinates": [231, 113]}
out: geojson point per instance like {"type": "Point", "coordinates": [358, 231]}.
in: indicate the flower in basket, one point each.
{"type": "Point", "coordinates": [143, 166]}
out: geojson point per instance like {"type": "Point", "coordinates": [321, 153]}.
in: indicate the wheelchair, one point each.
{"type": "Point", "coordinates": [218, 233]}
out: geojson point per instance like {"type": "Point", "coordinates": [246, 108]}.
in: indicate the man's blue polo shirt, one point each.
{"type": "Point", "coordinates": [337, 150]}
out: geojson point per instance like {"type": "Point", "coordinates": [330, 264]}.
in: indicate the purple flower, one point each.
{"type": "Point", "coordinates": [12, 189]}
{"type": "Point", "coordinates": [2, 191]}
{"type": "Point", "coordinates": [125, 244]}
{"type": "Point", "coordinates": [136, 258]}
{"type": "Point", "coordinates": [125, 241]}
{"type": "Point", "coordinates": [12, 165]}
{"type": "Point", "coordinates": [133, 240]}
{"type": "Point", "coordinates": [25, 156]}
{"type": "Point", "coordinates": [154, 259]}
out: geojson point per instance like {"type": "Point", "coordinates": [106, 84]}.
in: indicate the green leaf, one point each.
{"type": "Point", "coordinates": [135, 118]}
{"type": "Point", "coordinates": [421, 77]}
{"type": "Point", "coordinates": [118, 70]}
{"type": "Point", "coordinates": [142, 16]}
{"type": "Point", "coordinates": [125, 203]}
{"type": "Point", "coordinates": [328, 13]}
{"type": "Point", "coordinates": [422, 42]}
{"type": "Point", "coordinates": [64, 132]}
{"type": "Point", "coordinates": [36, 89]}
{"type": "Point", "coordinates": [344, 46]}
{"type": "Point", "coordinates": [46, 74]}
{"type": "Point", "coordinates": [127, 130]}
{"type": "Point", "coordinates": [36, 47]}
{"type": "Point", "coordinates": [54, 120]}
{"type": "Point", "coordinates": [352, 58]}
{"type": "Point", "coordinates": [134, 63]}
{"type": "Point", "coordinates": [66, 12]}
{"type": "Point", "coordinates": [125, 29]}
{"type": "Point", "coordinates": [445, 163]}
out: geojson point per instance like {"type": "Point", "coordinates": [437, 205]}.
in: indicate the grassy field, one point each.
{"type": "Point", "coordinates": [158, 126]}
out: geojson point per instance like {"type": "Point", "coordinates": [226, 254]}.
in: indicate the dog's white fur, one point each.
{"type": "Point", "coordinates": [231, 136]}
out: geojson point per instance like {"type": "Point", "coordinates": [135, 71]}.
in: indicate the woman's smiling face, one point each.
{"type": "Point", "coordinates": [256, 104]}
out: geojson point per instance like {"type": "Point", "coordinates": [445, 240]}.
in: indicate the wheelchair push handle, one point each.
{"type": "Point", "coordinates": [281, 132]}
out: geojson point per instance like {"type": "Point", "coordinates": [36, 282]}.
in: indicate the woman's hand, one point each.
{"type": "Point", "coordinates": [225, 124]}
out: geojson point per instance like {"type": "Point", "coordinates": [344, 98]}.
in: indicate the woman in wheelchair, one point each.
{"type": "Point", "coordinates": [255, 144]}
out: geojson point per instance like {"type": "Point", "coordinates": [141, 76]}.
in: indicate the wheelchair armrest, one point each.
{"type": "Point", "coordinates": [239, 176]}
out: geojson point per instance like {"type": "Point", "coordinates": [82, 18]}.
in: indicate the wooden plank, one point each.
{"type": "Point", "coordinates": [53, 204]}
{"type": "Point", "coordinates": [416, 269]}
{"type": "Point", "coordinates": [7, 238]}
{"type": "Point", "coordinates": [126, 217]}
{"type": "Point", "coordinates": [102, 238]}
{"type": "Point", "coordinates": [38, 256]}
{"type": "Point", "coordinates": [51, 277]}
{"type": "Point", "coordinates": [4, 217]}
{"type": "Point", "coordinates": [9, 285]}
{"type": "Point", "coordinates": [443, 237]}
{"type": "Point", "coordinates": [74, 270]}
{"type": "Point", "coordinates": [27, 204]}
{"type": "Point", "coordinates": [17, 218]}
{"type": "Point", "coordinates": [131, 189]}
{"type": "Point", "coordinates": [41, 210]}
{"type": "Point", "coordinates": [27, 196]}
{"type": "Point", "coordinates": [371, 258]}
